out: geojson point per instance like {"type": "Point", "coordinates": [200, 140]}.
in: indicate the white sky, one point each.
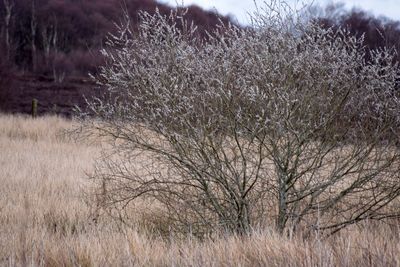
{"type": "Point", "coordinates": [240, 8]}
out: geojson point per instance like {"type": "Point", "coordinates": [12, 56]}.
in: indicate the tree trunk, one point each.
{"type": "Point", "coordinates": [282, 202]}
{"type": "Point", "coordinates": [33, 36]}
{"type": "Point", "coordinates": [8, 5]}
{"type": "Point", "coordinates": [243, 219]}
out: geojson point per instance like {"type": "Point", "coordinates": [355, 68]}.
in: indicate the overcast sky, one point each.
{"type": "Point", "coordinates": [240, 8]}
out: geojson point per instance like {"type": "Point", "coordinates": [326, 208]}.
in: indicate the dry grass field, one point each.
{"type": "Point", "coordinates": [45, 218]}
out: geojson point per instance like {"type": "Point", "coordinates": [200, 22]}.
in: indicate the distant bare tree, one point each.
{"type": "Point", "coordinates": [8, 6]}
{"type": "Point", "coordinates": [33, 24]}
{"type": "Point", "coordinates": [283, 123]}
{"type": "Point", "coordinates": [49, 38]}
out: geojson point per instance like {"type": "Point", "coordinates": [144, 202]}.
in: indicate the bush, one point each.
{"type": "Point", "coordinates": [281, 124]}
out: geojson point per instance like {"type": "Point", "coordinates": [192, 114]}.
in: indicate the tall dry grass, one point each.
{"type": "Point", "coordinates": [45, 219]}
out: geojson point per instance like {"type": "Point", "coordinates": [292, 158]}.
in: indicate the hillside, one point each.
{"type": "Point", "coordinates": [48, 47]}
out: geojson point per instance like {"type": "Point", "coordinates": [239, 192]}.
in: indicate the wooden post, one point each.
{"type": "Point", "coordinates": [34, 107]}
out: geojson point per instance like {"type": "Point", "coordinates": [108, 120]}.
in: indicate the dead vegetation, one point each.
{"type": "Point", "coordinates": [45, 219]}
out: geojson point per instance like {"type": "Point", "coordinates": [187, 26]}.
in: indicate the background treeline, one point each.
{"type": "Point", "coordinates": [46, 43]}
{"type": "Point", "coordinates": [64, 36]}
{"type": "Point", "coordinates": [379, 32]}
{"type": "Point", "coordinates": [48, 47]}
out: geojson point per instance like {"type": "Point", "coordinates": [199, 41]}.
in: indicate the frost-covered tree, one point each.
{"type": "Point", "coordinates": [281, 124]}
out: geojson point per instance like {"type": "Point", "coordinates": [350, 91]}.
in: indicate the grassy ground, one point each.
{"type": "Point", "coordinates": [45, 219]}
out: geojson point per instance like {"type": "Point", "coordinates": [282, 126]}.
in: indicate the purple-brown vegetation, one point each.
{"type": "Point", "coordinates": [378, 32]}
{"type": "Point", "coordinates": [45, 31]}
{"type": "Point", "coordinates": [60, 40]}
{"type": "Point", "coordinates": [5, 82]}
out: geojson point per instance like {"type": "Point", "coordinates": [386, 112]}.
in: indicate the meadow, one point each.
{"type": "Point", "coordinates": [47, 217]}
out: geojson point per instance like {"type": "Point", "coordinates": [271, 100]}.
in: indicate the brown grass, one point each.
{"type": "Point", "coordinates": [45, 221]}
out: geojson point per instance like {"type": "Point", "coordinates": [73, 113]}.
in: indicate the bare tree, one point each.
{"type": "Point", "coordinates": [49, 34]}
{"type": "Point", "coordinates": [49, 38]}
{"type": "Point", "coordinates": [8, 5]}
{"type": "Point", "coordinates": [33, 24]}
{"type": "Point", "coordinates": [284, 123]}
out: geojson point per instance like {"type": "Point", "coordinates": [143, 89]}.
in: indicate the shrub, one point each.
{"type": "Point", "coordinates": [281, 124]}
